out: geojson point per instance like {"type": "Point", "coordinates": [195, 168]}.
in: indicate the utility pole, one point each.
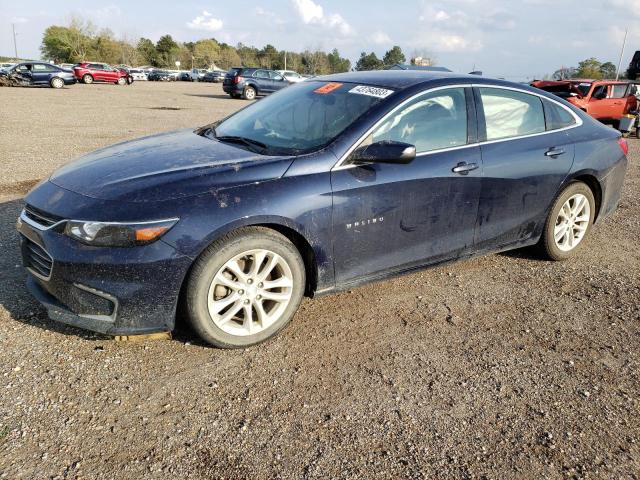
{"type": "Point", "coordinates": [15, 45]}
{"type": "Point", "coordinates": [624, 43]}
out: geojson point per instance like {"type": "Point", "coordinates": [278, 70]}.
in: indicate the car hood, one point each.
{"type": "Point", "coordinates": [166, 166]}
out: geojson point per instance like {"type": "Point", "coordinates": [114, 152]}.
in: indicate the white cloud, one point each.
{"type": "Point", "coordinates": [312, 13]}
{"type": "Point", "coordinates": [380, 38]}
{"type": "Point", "coordinates": [205, 21]}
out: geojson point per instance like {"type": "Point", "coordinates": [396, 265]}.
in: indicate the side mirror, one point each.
{"type": "Point", "coordinates": [386, 151]}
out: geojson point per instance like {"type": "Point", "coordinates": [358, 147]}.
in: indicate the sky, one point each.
{"type": "Point", "coordinates": [517, 40]}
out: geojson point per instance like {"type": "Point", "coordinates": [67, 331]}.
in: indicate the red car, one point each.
{"type": "Point", "coordinates": [605, 100]}
{"type": "Point", "coordinates": [100, 72]}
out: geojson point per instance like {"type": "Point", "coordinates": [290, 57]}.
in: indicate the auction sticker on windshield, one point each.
{"type": "Point", "coordinates": [371, 91]}
{"type": "Point", "coordinates": [327, 88]}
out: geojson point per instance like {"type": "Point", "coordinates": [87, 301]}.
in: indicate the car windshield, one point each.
{"type": "Point", "coordinates": [301, 118]}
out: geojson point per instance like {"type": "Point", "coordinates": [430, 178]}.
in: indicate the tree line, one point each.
{"type": "Point", "coordinates": [81, 41]}
{"type": "Point", "coordinates": [590, 68]}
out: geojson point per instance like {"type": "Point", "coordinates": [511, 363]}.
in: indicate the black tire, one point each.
{"type": "Point", "coordinates": [249, 93]}
{"type": "Point", "coordinates": [56, 82]}
{"type": "Point", "coordinates": [214, 258]}
{"type": "Point", "coordinates": [547, 244]}
{"type": "Point", "coordinates": [86, 78]}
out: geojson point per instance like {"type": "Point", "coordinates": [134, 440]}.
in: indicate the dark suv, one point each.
{"type": "Point", "coordinates": [250, 82]}
{"type": "Point", "coordinates": [634, 67]}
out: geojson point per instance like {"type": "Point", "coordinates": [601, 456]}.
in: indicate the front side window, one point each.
{"type": "Point", "coordinates": [511, 114]}
{"type": "Point", "coordinates": [433, 121]}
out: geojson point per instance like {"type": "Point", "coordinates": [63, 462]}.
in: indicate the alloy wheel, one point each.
{"type": "Point", "coordinates": [250, 292]}
{"type": "Point", "coordinates": [57, 83]}
{"type": "Point", "coordinates": [572, 222]}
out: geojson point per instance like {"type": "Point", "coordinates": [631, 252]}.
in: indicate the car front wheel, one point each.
{"type": "Point", "coordinates": [245, 288]}
{"type": "Point", "coordinates": [87, 78]}
{"type": "Point", "coordinates": [569, 222]}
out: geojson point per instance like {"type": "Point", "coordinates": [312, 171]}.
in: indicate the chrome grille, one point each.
{"type": "Point", "coordinates": [37, 259]}
{"type": "Point", "coordinates": [40, 217]}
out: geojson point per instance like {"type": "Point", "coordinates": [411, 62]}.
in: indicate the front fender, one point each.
{"type": "Point", "coordinates": [301, 204]}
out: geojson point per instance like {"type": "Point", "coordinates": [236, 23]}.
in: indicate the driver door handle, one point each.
{"type": "Point", "coordinates": [463, 168]}
{"type": "Point", "coordinates": [554, 152]}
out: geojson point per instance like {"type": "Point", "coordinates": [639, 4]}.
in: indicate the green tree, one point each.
{"type": "Point", "coordinates": [167, 50]}
{"type": "Point", "coordinates": [589, 68]}
{"type": "Point", "coordinates": [228, 57]}
{"type": "Point", "coordinates": [268, 57]}
{"type": "Point", "coordinates": [68, 44]}
{"type": "Point", "coordinates": [206, 53]}
{"type": "Point", "coordinates": [248, 55]}
{"type": "Point", "coordinates": [337, 64]}
{"type": "Point", "coordinates": [368, 62]}
{"type": "Point", "coordinates": [147, 51]}
{"type": "Point", "coordinates": [393, 56]}
{"type": "Point", "coordinates": [608, 70]}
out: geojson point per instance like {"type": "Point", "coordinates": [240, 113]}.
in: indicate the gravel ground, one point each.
{"type": "Point", "coordinates": [499, 367]}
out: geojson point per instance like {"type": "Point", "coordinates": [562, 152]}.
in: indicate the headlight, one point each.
{"type": "Point", "coordinates": [114, 234]}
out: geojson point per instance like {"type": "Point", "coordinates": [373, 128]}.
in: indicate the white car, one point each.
{"type": "Point", "coordinates": [291, 76]}
{"type": "Point", "coordinates": [138, 75]}
{"type": "Point", "coordinates": [6, 66]}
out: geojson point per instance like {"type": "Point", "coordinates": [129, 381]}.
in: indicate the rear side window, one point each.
{"type": "Point", "coordinates": [511, 114]}
{"type": "Point", "coordinates": [556, 116]}
{"type": "Point", "coordinates": [433, 121]}
{"type": "Point", "coordinates": [261, 74]}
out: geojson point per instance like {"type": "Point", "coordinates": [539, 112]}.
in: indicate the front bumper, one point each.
{"type": "Point", "coordinates": [114, 291]}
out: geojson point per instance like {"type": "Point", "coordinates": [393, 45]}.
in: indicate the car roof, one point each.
{"type": "Point", "coordinates": [401, 79]}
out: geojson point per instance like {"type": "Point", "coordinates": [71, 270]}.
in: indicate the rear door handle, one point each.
{"type": "Point", "coordinates": [554, 152]}
{"type": "Point", "coordinates": [463, 168]}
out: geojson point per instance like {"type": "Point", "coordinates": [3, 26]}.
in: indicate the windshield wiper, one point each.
{"type": "Point", "coordinates": [248, 142]}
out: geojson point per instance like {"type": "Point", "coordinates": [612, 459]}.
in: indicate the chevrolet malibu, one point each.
{"type": "Point", "coordinates": [325, 185]}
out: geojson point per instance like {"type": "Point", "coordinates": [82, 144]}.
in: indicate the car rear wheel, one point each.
{"type": "Point", "coordinates": [249, 93]}
{"type": "Point", "coordinates": [121, 81]}
{"type": "Point", "coordinates": [245, 288]}
{"type": "Point", "coordinates": [569, 222]}
{"type": "Point", "coordinates": [57, 82]}
{"type": "Point", "coordinates": [87, 78]}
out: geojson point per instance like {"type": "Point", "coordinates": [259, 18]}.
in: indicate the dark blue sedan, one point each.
{"type": "Point", "coordinates": [327, 184]}
{"type": "Point", "coordinates": [38, 74]}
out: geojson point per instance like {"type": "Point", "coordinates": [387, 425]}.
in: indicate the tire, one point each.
{"type": "Point", "coordinates": [565, 217]}
{"type": "Point", "coordinates": [121, 81]}
{"type": "Point", "coordinates": [211, 309]}
{"type": "Point", "coordinates": [56, 82]}
{"type": "Point", "coordinates": [249, 93]}
{"type": "Point", "coordinates": [86, 78]}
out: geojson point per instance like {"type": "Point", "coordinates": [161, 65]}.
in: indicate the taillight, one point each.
{"type": "Point", "coordinates": [237, 79]}
{"type": "Point", "coordinates": [624, 146]}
